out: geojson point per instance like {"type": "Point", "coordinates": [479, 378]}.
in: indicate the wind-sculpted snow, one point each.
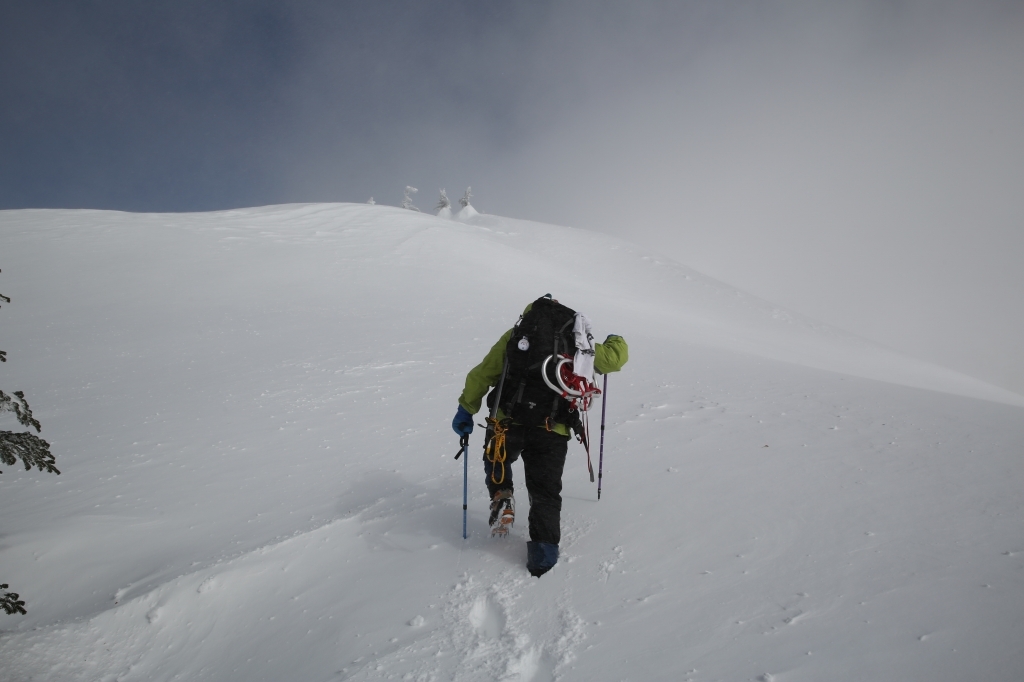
{"type": "Point", "coordinates": [251, 412]}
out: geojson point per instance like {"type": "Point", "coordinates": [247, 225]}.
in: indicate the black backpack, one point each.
{"type": "Point", "coordinates": [545, 330]}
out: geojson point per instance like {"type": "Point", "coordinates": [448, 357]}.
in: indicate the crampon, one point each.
{"type": "Point", "coordinates": [503, 513]}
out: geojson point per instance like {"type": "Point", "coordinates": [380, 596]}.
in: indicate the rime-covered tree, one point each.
{"type": "Point", "coordinates": [444, 206]}
{"type": "Point", "coordinates": [407, 199]}
{"type": "Point", "coordinates": [443, 202]}
{"type": "Point", "coordinates": [32, 450]}
{"type": "Point", "coordinates": [467, 210]}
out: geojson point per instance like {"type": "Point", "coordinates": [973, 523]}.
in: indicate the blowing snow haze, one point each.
{"type": "Point", "coordinates": [861, 164]}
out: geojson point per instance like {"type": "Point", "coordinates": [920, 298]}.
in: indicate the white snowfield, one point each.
{"type": "Point", "coordinates": [251, 410]}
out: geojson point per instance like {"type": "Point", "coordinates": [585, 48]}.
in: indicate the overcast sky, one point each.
{"type": "Point", "coordinates": [862, 162]}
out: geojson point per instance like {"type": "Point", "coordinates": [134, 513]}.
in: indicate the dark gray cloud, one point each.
{"type": "Point", "coordinates": [195, 105]}
{"type": "Point", "coordinates": [137, 105]}
{"type": "Point", "coordinates": [858, 161]}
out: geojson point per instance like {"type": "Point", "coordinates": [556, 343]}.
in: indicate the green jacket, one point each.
{"type": "Point", "coordinates": [609, 357]}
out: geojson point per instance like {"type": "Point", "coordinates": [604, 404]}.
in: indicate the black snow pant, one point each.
{"type": "Point", "coordinates": [543, 454]}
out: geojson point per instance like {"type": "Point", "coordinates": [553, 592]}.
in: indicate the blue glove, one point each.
{"type": "Point", "coordinates": [463, 422]}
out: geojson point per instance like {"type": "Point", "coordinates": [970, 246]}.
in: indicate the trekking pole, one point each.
{"type": "Point", "coordinates": [464, 442]}
{"type": "Point", "coordinates": [464, 453]}
{"type": "Point", "coordinates": [600, 461]}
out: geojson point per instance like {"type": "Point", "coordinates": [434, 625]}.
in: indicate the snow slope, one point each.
{"type": "Point", "coordinates": [251, 411]}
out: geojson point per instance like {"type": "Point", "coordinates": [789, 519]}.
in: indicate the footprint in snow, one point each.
{"type": "Point", "coordinates": [534, 665]}
{"type": "Point", "coordinates": [487, 617]}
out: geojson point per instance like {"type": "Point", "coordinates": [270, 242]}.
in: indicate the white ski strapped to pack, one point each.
{"type": "Point", "coordinates": [583, 362]}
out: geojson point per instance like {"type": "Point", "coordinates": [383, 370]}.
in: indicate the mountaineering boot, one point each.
{"type": "Point", "coordinates": [540, 557]}
{"type": "Point", "coordinates": [503, 513]}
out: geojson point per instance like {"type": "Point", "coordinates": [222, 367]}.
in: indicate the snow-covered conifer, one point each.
{"type": "Point", "coordinates": [32, 450]}
{"type": "Point", "coordinates": [407, 199]}
{"type": "Point", "coordinates": [444, 206]}
{"type": "Point", "coordinates": [467, 210]}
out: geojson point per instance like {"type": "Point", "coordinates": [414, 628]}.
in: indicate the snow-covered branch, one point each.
{"type": "Point", "coordinates": [32, 450]}
{"type": "Point", "coordinates": [11, 602]}
{"type": "Point", "coordinates": [20, 408]}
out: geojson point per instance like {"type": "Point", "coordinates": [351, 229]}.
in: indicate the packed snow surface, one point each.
{"type": "Point", "coordinates": [251, 412]}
